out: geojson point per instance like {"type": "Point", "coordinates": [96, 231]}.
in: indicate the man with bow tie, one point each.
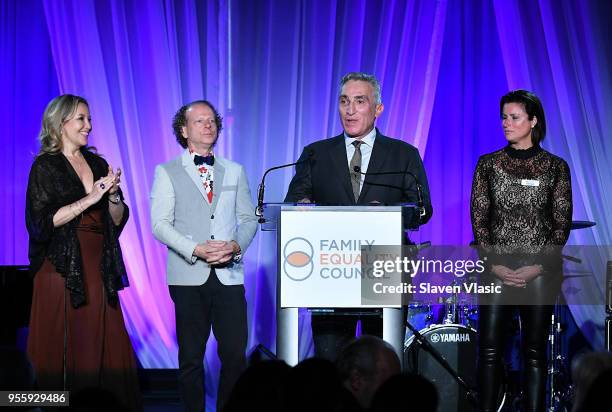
{"type": "Point", "coordinates": [201, 208]}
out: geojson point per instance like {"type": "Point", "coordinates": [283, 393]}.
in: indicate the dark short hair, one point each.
{"type": "Point", "coordinates": [180, 120]}
{"type": "Point", "coordinates": [533, 107]}
{"type": "Point", "coordinates": [361, 354]}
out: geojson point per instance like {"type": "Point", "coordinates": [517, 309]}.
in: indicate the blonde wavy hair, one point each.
{"type": "Point", "coordinates": [58, 111]}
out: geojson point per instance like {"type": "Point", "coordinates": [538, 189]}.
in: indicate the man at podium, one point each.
{"type": "Point", "coordinates": [358, 167]}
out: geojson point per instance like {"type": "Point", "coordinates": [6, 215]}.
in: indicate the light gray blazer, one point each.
{"type": "Point", "coordinates": [181, 217]}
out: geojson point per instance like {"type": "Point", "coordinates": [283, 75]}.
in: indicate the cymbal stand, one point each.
{"type": "Point", "coordinates": [608, 323]}
{"type": "Point", "coordinates": [559, 384]}
{"type": "Point", "coordinates": [451, 313]}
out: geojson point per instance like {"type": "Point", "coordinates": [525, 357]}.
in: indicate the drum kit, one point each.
{"type": "Point", "coordinates": [455, 340]}
{"type": "Point", "coordinates": [444, 350]}
{"type": "Point", "coordinates": [441, 345]}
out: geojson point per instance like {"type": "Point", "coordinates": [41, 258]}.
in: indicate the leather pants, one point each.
{"type": "Point", "coordinates": [494, 320]}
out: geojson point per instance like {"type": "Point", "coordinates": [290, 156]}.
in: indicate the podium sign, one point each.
{"type": "Point", "coordinates": [319, 263]}
{"type": "Point", "coordinates": [319, 259]}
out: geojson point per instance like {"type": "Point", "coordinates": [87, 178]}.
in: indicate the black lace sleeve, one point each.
{"type": "Point", "coordinates": [561, 205]}
{"type": "Point", "coordinates": [114, 273]}
{"type": "Point", "coordinates": [124, 218]}
{"type": "Point", "coordinates": [41, 202]}
{"type": "Point", "coordinates": [480, 204]}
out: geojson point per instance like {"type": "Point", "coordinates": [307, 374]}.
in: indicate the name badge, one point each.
{"type": "Point", "coordinates": [529, 182]}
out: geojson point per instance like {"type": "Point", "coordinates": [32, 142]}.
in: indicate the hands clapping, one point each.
{"type": "Point", "coordinates": [109, 183]}
{"type": "Point", "coordinates": [116, 179]}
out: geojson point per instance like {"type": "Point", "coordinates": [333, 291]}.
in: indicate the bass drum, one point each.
{"type": "Point", "coordinates": [458, 345]}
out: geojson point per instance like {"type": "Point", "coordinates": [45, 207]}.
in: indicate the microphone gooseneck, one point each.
{"type": "Point", "coordinates": [419, 188]}
{"type": "Point", "coordinates": [262, 186]}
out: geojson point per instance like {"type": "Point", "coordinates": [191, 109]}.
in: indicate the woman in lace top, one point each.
{"type": "Point", "coordinates": [74, 216]}
{"type": "Point", "coordinates": [521, 211]}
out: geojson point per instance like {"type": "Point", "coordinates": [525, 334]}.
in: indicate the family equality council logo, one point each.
{"type": "Point", "coordinates": [298, 253]}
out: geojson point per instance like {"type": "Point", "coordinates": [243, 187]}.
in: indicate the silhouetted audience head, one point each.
{"type": "Point", "coordinates": [16, 372]}
{"type": "Point", "coordinates": [405, 392]}
{"type": "Point", "coordinates": [586, 369]}
{"type": "Point", "coordinates": [314, 385]}
{"type": "Point", "coordinates": [259, 388]}
{"type": "Point", "coordinates": [597, 396]}
{"type": "Point", "coordinates": [365, 364]}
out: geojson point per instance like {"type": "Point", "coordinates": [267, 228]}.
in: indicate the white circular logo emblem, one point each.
{"type": "Point", "coordinates": [298, 253]}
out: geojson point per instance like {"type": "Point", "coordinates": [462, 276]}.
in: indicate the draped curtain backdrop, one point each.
{"type": "Point", "coordinates": [272, 68]}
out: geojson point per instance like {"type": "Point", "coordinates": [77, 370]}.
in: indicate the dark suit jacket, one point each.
{"type": "Point", "coordinates": [324, 177]}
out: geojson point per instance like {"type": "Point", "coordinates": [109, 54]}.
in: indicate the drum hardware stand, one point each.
{"type": "Point", "coordinates": [609, 306]}
{"type": "Point", "coordinates": [450, 307]}
{"type": "Point", "coordinates": [424, 343]}
{"type": "Point", "coordinates": [455, 313]}
{"type": "Point", "coordinates": [560, 384]}
{"type": "Point", "coordinates": [429, 316]}
{"type": "Point", "coordinates": [560, 388]}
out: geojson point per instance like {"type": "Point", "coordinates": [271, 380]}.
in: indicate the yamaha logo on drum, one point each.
{"type": "Point", "coordinates": [450, 337]}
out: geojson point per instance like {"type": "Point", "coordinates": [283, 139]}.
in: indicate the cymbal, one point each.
{"type": "Point", "coordinates": [581, 224]}
{"type": "Point", "coordinates": [578, 272]}
{"type": "Point", "coordinates": [584, 275]}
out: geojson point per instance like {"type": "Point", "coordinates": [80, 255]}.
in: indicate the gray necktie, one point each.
{"type": "Point", "coordinates": [356, 162]}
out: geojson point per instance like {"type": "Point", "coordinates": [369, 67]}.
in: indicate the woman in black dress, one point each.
{"type": "Point", "coordinates": [521, 211]}
{"type": "Point", "coordinates": [74, 215]}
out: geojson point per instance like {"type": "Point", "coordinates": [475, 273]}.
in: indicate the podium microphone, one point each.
{"type": "Point", "coordinates": [420, 202]}
{"type": "Point", "coordinates": [262, 186]}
